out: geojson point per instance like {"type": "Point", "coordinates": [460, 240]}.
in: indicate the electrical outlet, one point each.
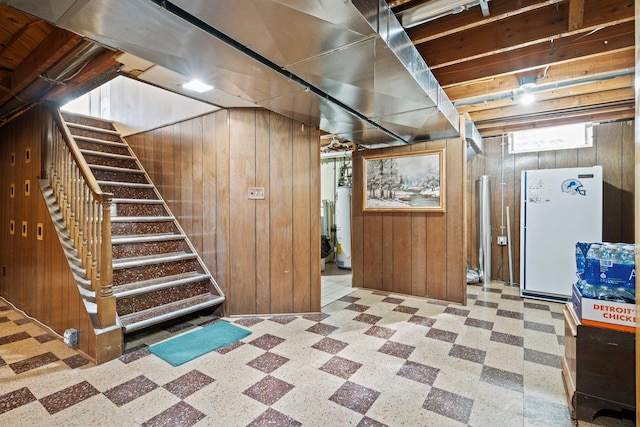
{"type": "Point", "coordinates": [256, 193]}
{"type": "Point", "coordinates": [502, 240]}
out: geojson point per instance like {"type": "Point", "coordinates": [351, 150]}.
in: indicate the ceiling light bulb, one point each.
{"type": "Point", "coordinates": [527, 98]}
{"type": "Point", "coordinates": [197, 86]}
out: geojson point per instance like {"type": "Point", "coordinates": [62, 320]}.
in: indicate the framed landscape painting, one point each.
{"type": "Point", "coordinates": [413, 181]}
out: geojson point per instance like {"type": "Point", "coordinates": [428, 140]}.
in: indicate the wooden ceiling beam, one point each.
{"type": "Point", "coordinates": [525, 123]}
{"type": "Point", "coordinates": [538, 56]}
{"type": "Point", "coordinates": [591, 66]}
{"type": "Point", "coordinates": [500, 9]}
{"type": "Point", "coordinates": [583, 101]}
{"type": "Point", "coordinates": [543, 25]}
{"type": "Point", "coordinates": [576, 14]}
{"type": "Point", "coordinates": [54, 47]}
{"type": "Point", "coordinates": [103, 63]}
{"type": "Point", "coordinates": [560, 94]}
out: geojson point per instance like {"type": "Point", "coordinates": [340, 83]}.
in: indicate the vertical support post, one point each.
{"type": "Point", "coordinates": [105, 299]}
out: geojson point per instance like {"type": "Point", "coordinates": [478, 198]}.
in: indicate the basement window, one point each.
{"type": "Point", "coordinates": [551, 138]}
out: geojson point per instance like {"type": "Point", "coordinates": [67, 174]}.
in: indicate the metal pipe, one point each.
{"type": "Point", "coordinates": [484, 229]}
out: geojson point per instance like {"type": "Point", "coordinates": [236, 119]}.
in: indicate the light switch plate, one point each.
{"type": "Point", "coordinates": [256, 193]}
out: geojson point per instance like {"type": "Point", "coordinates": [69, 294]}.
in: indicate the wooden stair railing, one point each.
{"type": "Point", "coordinates": [86, 210]}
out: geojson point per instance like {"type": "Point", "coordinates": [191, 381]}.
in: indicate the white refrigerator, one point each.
{"type": "Point", "coordinates": [558, 208]}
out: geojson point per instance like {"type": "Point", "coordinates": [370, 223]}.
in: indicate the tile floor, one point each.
{"type": "Point", "coordinates": [369, 359]}
{"type": "Point", "coordinates": [336, 283]}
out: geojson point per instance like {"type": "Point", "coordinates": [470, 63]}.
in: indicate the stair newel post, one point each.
{"type": "Point", "coordinates": [105, 299]}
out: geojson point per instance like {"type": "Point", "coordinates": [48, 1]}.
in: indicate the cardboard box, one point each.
{"type": "Point", "coordinates": [604, 314]}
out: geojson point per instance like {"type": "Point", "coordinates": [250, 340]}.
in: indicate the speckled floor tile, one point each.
{"type": "Point", "coordinates": [368, 422]}
{"type": "Point", "coordinates": [268, 390]}
{"type": "Point", "coordinates": [283, 320]}
{"type": "Point", "coordinates": [248, 321]}
{"type": "Point", "coordinates": [457, 311]}
{"type": "Point", "coordinates": [181, 414]}
{"type": "Point", "coordinates": [510, 314]}
{"type": "Point", "coordinates": [467, 353]}
{"type": "Point", "coordinates": [355, 397]}
{"type": "Point", "coordinates": [34, 362]}
{"type": "Point", "coordinates": [418, 372]}
{"type": "Point", "coordinates": [229, 348]}
{"type": "Point", "coordinates": [367, 318]}
{"type": "Point", "coordinates": [187, 384]}
{"type": "Point", "coordinates": [44, 338]}
{"type": "Point", "coordinates": [268, 362]}
{"type": "Point", "coordinates": [380, 332]}
{"type": "Point", "coordinates": [441, 335]}
{"type": "Point", "coordinates": [478, 323]}
{"type": "Point", "coordinates": [540, 327]}
{"type": "Point", "coordinates": [406, 309]}
{"type": "Point", "coordinates": [488, 304]}
{"type": "Point", "coordinates": [271, 417]}
{"type": "Point", "coordinates": [267, 341]}
{"type": "Point", "coordinates": [15, 399]}
{"type": "Point", "coordinates": [68, 397]}
{"type": "Point", "coordinates": [499, 377]}
{"type": "Point", "coordinates": [422, 320]}
{"type": "Point", "coordinates": [322, 329]}
{"type": "Point", "coordinates": [542, 358]}
{"type": "Point", "coordinates": [507, 338]}
{"type": "Point", "coordinates": [548, 413]}
{"type": "Point", "coordinates": [341, 367]}
{"type": "Point", "coordinates": [131, 390]}
{"type": "Point", "coordinates": [393, 300]}
{"type": "Point", "coordinates": [75, 361]}
{"type": "Point", "coordinates": [357, 307]}
{"type": "Point", "coordinates": [330, 345]}
{"type": "Point", "coordinates": [449, 404]}
{"type": "Point", "coordinates": [14, 337]}
{"type": "Point", "coordinates": [396, 349]}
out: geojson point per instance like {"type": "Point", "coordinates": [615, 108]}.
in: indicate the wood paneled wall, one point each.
{"type": "Point", "coordinates": [34, 273]}
{"type": "Point", "coordinates": [265, 254]}
{"type": "Point", "coordinates": [613, 148]}
{"type": "Point", "coordinates": [420, 254]}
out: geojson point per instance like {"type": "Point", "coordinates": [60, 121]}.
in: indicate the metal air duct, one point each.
{"type": "Point", "coordinates": [347, 68]}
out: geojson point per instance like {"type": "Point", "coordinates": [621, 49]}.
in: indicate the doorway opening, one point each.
{"type": "Point", "coordinates": [335, 221]}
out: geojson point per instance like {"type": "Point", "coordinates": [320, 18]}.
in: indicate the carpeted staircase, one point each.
{"type": "Point", "coordinates": [157, 274]}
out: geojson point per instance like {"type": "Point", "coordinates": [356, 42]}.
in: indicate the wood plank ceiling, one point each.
{"type": "Point", "coordinates": [39, 62]}
{"type": "Point", "coordinates": [580, 54]}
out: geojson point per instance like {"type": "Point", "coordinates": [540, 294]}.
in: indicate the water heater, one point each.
{"type": "Point", "coordinates": [343, 227]}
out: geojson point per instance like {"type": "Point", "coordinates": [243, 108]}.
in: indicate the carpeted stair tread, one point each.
{"type": "Point", "coordinates": [138, 201]}
{"type": "Point", "coordinates": [142, 219]}
{"type": "Point", "coordinates": [116, 169]}
{"type": "Point", "coordinates": [86, 152]}
{"type": "Point", "coordinates": [145, 260]}
{"type": "Point", "coordinates": [135, 321]}
{"type": "Point", "coordinates": [92, 128]}
{"type": "Point", "coordinates": [100, 141]}
{"type": "Point", "coordinates": [150, 285]}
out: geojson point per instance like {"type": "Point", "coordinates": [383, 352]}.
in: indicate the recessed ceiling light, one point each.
{"type": "Point", "coordinates": [197, 86]}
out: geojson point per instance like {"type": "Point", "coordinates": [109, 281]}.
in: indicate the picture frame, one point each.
{"type": "Point", "coordinates": [405, 182]}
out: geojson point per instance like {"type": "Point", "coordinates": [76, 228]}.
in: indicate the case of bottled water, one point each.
{"type": "Point", "coordinates": [604, 293]}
